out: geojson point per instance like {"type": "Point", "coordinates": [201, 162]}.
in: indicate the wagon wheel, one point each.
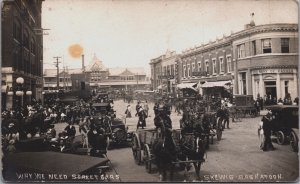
{"type": "Point", "coordinates": [294, 141]}
{"type": "Point", "coordinates": [223, 126]}
{"type": "Point", "coordinates": [219, 130]}
{"type": "Point", "coordinates": [136, 149]}
{"type": "Point", "coordinates": [147, 158]}
{"type": "Point", "coordinates": [280, 137]}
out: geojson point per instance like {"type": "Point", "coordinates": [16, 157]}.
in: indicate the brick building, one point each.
{"type": "Point", "coordinates": [259, 60]}
{"type": "Point", "coordinates": [22, 50]}
{"type": "Point", "coordinates": [266, 59]}
{"type": "Point", "coordinates": [164, 72]}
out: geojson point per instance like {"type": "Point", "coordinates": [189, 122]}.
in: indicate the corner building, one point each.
{"type": "Point", "coordinates": [266, 60]}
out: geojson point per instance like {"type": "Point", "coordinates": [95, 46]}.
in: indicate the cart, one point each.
{"type": "Point", "coordinates": [142, 143]}
{"type": "Point", "coordinates": [243, 106]}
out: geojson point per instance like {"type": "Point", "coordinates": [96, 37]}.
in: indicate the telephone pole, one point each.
{"type": "Point", "coordinates": [57, 66]}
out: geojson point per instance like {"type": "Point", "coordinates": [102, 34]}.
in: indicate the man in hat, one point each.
{"type": "Point", "coordinates": [267, 127]}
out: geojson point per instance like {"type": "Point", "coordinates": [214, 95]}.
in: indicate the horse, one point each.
{"type": "Point", "coordinates": [164, 149]}
{"type": "Point", "coordinates": [223, 114]}
{"type": "Point", "coordinates": [192, 146]}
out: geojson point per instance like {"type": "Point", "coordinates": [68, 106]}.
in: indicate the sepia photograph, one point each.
{"type": "Point", "coordinates": [149, 91]}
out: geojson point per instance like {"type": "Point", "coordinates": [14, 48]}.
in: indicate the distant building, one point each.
{"type": "Point", "coordinates": [22, 51]}
{"type": "Point", "coordinates": [164, 72]}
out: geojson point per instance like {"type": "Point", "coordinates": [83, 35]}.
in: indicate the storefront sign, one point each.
{"type": "Point", "coordinates": [280, 70]}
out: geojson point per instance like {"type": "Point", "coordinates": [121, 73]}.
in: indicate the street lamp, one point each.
{"type": "Point", "coordinates": [19, 90]}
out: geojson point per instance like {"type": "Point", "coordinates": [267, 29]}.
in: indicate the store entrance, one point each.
{"type": "Point", "coordinates": [270, 88]}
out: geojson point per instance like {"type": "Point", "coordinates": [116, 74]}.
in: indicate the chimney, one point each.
{"type": "Point", "coordinates": [83, 68]}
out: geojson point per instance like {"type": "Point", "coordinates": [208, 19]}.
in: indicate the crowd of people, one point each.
{"type": "Point", "coordinates": [37, 120]}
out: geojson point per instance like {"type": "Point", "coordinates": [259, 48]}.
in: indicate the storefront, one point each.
{"type": "Point", "coordinates": [274, 82]}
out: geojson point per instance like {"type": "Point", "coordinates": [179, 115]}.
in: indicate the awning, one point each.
{"type": "Point", "coordinates": [4, 89]}
{"type": "Point", "coordinates": [187, 85]}
{"type": "Point", "coordinates": [216, 84]}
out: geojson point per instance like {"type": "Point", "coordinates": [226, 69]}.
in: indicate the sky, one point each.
{"type": "Point", "coordinates": [129, 33]}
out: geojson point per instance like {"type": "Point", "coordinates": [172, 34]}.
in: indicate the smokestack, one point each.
{"type": "Point", "coordinates": [83, 68]}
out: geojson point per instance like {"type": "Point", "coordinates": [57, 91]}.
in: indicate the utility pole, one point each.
{"type": "Point", "coordinates": [57, 77]}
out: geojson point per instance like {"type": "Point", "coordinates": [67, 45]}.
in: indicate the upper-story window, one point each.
{"type": "Point", "coordinates": [193, 67]}
{"type": "Point", "coordinates": [241, 50]}
{"type": "Point", "coordinates": [214, 66]}
{"type": "Point", "coordinates": [229, 69]}
{"type": "Point", "coordinates": [184, 71]}
{"type": "Point", "coordinates": [199, 66]}
{"type": "Point", "coordinates": [285, 43]}
{"type": "Point", "coordinates": [188, 70]}
{"type": "Point", "coordinates": [266, 45]}
{"type": "Point", "coordinates": [207, 66]}
{"type": "Point", "coordinates": [221, 65]}
{"type": "Point", "coordinates": [253, 47]}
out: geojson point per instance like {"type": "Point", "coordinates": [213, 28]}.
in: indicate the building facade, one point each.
{"type": "Point", "coordinates": [22, 50]}
{"type": "Point", "coordinates": [209, 63]}
{"type": "Point", "coordinates": [266, 58]}
{"type": "Point", "coordinates": [164, 72]}
{"type": "Point", "coordinates": [259, 60]}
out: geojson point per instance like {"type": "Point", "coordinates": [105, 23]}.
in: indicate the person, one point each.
{"type": "Point", "coordinates": [146, 108]}
{"type": "Point", "coordinates": [257, 105]}
{"type": "Point", "coordinates": [137, 107]}
{"type": "Point", "coordinates": [267, 127]}
{"type": "Point", "coordinates": [128, 111]}
{"type": "Point", "coordinates": [98, 141]}
{"type": "Point", "coordinates": [70, 130]}
{"type": "Point", "coordinates": [142, 118]}
{"type": "Point", "coordinates": [83, 130]}
{"type": "Point", "coordinates": [296, 101]}
{"type": "Point", "coordinates": [155, 109]}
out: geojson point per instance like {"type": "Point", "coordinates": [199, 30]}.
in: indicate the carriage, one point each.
{"type": "Point", "coordinates": [144, 145]}
{"type": "Point", "coordinates": [105, 117]}
{"type": "Point", "coordinates": [285, 127]}
{"type": "Point", "coordinates": [243, 106]}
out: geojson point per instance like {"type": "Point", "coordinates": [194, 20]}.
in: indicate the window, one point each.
{"type": "Point", "coordinates": [184, 71]}
{"type": "Point", "coordinates": [221, 65]}
{"type": "Point", "coordinates": [199, 66]}
{"type": "Point", "coordinates": [266, 46]}
{"type": "Point", "coordinates": [26, 40]}
{"type": "Point", "coordinates": [241, 50]}
{"type": "Point", "coordinates": [285, 45]}
{"type": "Point", "coordinates": [17, 30]}
{"type": "Point", "coordinates": [244, 83]}
{"type": "Point", "coordinates": [214, 66]}
{"type": "Point", "coordinates": [229, 64]}
{"type": "Point", "coordinates": [207, 66]}
{"type": "Point", "coordinates": [189, 71]}
{"type": "Point", "coordinates": [193, 67]}
{"type": "Point", "coordinates": [253, 44]}
{"type": "Point", "coordinates": [286, 87]}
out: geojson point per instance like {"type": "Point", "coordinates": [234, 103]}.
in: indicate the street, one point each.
{"type": "Point", "coordinates": [236, 157]}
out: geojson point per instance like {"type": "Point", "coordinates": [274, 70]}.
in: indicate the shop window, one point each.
{"type": "Point", "coordinates": [285, 45]}
{"type": "Point", "coordinates": [253, 44]}
{"type": "Point", "coordinates": [266, 46]}
{"type": "Point", "coordinates": [241, 50]}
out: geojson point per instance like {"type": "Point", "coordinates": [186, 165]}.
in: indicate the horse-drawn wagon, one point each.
{"type": "Point", "coordinates": [243, 106]}
{"type": "Point", "coordinates": [168, 150]}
